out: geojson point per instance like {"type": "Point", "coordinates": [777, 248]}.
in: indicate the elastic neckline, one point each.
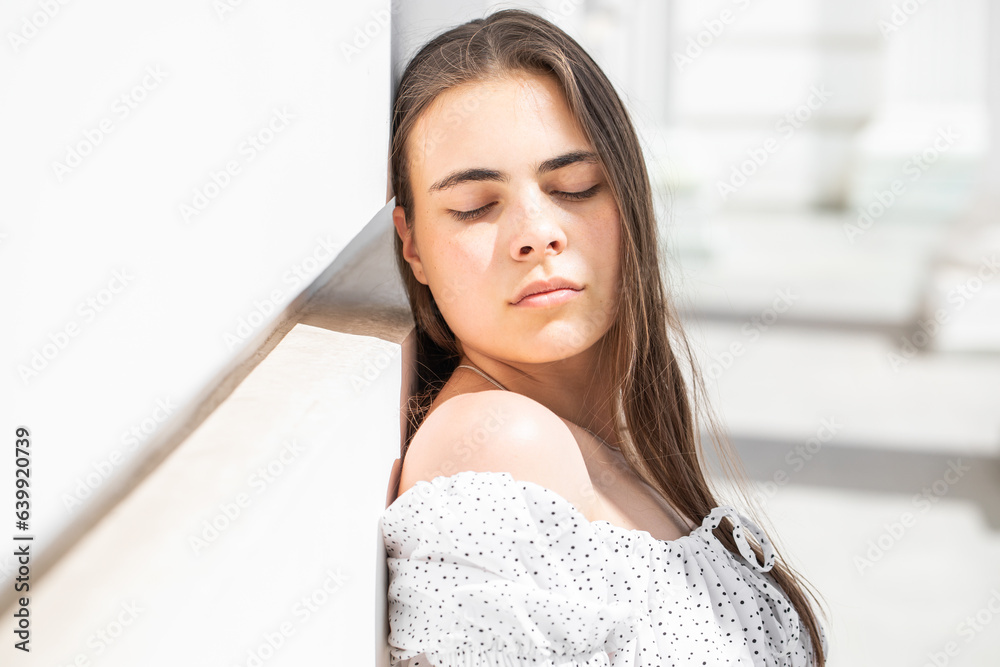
{"type": "Point", "coordinates": [702, 533]}
{"type": "Point", "coordinates": [708, 524]}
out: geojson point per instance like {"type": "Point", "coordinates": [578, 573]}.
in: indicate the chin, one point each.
{"type": "Point", "coordinates": [548, 349]}
{"type": "Point", "coordinates": [554, 341]}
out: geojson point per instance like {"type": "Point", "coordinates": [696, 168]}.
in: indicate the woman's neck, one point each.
{"type": "Point", "coordinates": [569, 387]}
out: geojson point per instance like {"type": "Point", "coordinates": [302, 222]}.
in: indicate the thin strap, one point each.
{"type": "Point", "coordinates": [740, 522]}
{"type": "Point", "coordinates": [473, 368]}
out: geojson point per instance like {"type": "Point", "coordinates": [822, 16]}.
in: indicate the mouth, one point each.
{"type": "Point", "coordinates": [547, 298]}
{"type": "Point", "coordinates": [556, 284]}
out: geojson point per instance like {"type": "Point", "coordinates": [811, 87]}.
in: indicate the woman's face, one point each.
{"type": "Point", "coordinates": [507, 191]}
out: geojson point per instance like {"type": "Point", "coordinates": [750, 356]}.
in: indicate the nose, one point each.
{"type": "Point", "coordinates": [537, 232]}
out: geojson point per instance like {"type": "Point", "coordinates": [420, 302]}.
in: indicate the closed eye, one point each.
{"type": "Point", "coordinates": [584, 194]}
{"type": "Point", "coordinates": [482, 210]}
{"type": "Point", "coordinates": [469, 215]}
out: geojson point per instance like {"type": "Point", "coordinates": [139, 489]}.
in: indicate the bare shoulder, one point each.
{"type": "Point", "coordinates": [500, 431]}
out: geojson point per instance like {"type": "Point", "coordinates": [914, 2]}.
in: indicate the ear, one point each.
{"type": "Point", "coordinates": [409, 244]}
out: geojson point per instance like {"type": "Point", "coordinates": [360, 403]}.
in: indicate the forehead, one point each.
{"type": "Point", "coordinates": [507, 123]}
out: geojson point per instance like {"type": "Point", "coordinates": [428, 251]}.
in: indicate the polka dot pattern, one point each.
{"type": "Point", "coordinates": [486, 570]}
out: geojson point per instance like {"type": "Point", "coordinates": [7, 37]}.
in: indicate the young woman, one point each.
{"type": "Point", "coordinates": [552, 505]}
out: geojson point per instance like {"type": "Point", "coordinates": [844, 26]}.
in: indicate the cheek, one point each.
{"type": "Point", "coordinates": [606, 239]}
{"type": "Point", "coordinates": [457, 272]}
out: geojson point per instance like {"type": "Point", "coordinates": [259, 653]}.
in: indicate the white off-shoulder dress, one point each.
{"type": "Point", "coordinates": [486, 570]}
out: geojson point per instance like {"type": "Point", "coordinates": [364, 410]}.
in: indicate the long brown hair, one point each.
{"type": "Point", "coordinates": [658, 420]}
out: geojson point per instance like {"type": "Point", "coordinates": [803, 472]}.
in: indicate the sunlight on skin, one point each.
{"type": "Point", "coordinates": [524, 226]}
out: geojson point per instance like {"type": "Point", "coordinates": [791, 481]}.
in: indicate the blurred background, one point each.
{"type": "Point", "coordinates": [193, 234]}
{"type": "Point", "coordinates": [828, 188]}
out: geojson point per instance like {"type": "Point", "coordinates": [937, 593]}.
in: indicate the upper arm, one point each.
{"type": "Point", "coordinates": [500, 431]}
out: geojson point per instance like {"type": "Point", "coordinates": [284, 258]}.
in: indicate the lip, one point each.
{"type": "Point", "coordinates": [547, 299]}
{"type": "Point", "coordinates": [546, 292]}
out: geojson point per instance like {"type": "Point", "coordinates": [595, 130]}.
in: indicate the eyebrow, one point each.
{"type": "Point", "coordinates": [479, 174]}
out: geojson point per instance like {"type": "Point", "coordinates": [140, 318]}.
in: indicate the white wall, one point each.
{"type": "Point", "coordinates": [170, 289]}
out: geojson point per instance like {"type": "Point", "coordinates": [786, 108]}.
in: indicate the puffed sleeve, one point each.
{"type": "Point", "coordinates": [485, 570]}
